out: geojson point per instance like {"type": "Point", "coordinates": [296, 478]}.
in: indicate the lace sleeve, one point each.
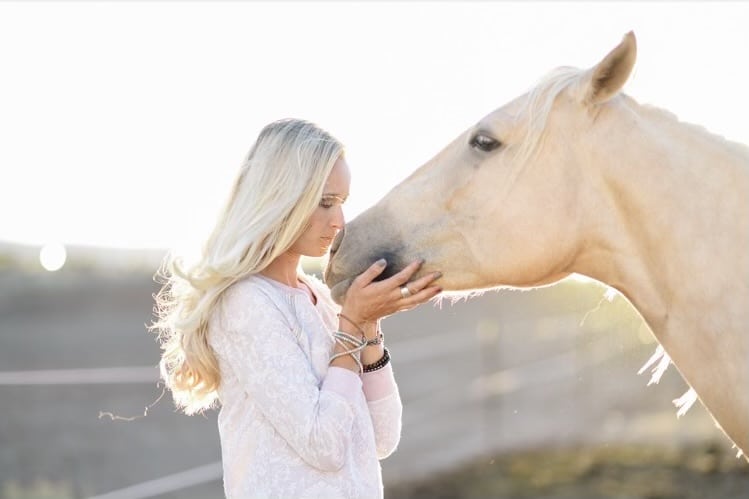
{"type": "Point", "coordinates": [258, 346]}
{"type": "Point", "coordinates": [385, 409]}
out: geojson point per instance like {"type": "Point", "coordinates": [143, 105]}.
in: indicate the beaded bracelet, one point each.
{"type": "Point", "coordinates": [376, 366]}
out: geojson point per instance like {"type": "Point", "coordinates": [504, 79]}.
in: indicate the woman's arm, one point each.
{"type": "Point", "coordinates": [366, 302]}
{"type": "Point", "coordinates": [380, 388]}
{"type": "Point", "coordinates": [385, 409]}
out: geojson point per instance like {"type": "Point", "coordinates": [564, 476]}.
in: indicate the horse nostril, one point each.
{"type": "Point", "coordinates": [336, 242]}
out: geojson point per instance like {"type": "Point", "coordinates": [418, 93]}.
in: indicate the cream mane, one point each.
{"type": "Point", "coordinates": [540, 100]}
{"type": "Point", "coordinates": [538, 106]}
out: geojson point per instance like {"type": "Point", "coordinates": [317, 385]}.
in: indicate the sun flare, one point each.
{"type": "Point", "coordinates": [52, 256]}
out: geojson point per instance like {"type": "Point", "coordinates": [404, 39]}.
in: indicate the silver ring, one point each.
{"type": "Point", "coordinates": [405, 292]}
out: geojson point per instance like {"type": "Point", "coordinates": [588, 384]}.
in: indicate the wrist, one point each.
{"type": "Point", "coordinates": [352, 316]}
{"type": "Point", "coordinates": [364, 327]}
{"type": "Point", "coordinates": [374, 335]}
{"type": "Point", "coordinates": [371, 354]}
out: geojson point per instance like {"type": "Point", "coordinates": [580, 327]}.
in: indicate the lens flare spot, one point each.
{"type": "Point", "coordinates": [52, 256]}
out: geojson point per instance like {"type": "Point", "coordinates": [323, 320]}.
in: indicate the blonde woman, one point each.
{"type": "Point", "coordinates": [308, 399]}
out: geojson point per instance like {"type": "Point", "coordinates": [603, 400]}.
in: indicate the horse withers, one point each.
{"type": "Point", "coordinates": [577, 177]}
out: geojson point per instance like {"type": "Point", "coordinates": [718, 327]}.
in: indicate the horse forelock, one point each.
{"type": "Point", "coordinates": [538, 104]}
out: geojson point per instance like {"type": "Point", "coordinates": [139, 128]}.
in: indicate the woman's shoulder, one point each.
{"type": "Point", "coordinates": [253, 295]}
{"type": "Point", "coordinates": [250, 299]}
{"type": "Point", "coordinates": [251, 288]}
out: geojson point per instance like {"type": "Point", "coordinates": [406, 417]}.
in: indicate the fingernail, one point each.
{"type": "Point", "coordinates": [381, 262]}
{"type": "Point", "coordinates": [437, 275]}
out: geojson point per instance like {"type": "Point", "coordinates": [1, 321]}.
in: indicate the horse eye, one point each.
{"type": "Point", "coordinates": [484, 143]}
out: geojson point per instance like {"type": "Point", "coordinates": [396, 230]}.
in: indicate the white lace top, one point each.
{"type": "Point", "coordinates": [290, 426]}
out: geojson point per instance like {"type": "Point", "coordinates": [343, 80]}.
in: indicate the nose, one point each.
{"type": "Point", "coordinates": [338, 219]}
{"type": "Point", "coordinates": [336, 242]}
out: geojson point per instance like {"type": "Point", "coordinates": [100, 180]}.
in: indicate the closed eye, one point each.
{"type": "Point", "coordinates": [330, 200]}
{"type": "Point", "coordinates": [483, 142]}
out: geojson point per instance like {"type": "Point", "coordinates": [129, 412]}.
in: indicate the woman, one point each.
{"type": "Point", "coordinates": [308, 399]}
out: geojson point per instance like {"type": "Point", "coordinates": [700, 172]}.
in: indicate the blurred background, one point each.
{"type": "Point", "coordinates": [510, 394]}
{"type": "Point", "coordinates": [122, 126]}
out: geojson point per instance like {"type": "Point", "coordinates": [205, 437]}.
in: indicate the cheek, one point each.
{"type": "Point", "coordinates": [316, 222]}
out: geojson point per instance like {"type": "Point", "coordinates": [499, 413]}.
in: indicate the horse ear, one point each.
{"type": "Point", "coordinates": [607, 77]}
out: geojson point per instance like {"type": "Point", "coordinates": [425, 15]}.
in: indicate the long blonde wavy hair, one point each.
{"type": "Point", "coordinates": [278, 187]}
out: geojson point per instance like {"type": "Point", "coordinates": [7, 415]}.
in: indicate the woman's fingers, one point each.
{"type": "Point", "coordinates": [420, 297]}
{"type": "Point", "coordinates": [372, 300]}
{"type": "Point", "coordinates": [371, 273]}
{"type": "Point", "coordinates": [423, 281]}
{"type": "Point", "coordinates": [399, 279]}
{"type": "Point", "coordinates": [419, 284]}
{"type": "Point", "coordinates": [404, 275]}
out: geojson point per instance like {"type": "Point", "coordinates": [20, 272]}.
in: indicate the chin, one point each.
{"type": "Point", "coordinates": [317, 253]}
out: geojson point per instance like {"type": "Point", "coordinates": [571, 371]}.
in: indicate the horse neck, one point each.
{"type": "Point", "coordinates": [664, 227]}
{"type": "Point", "coordinates": [668, 227]}
{"type": "Point", "coordinates": [663, 211]}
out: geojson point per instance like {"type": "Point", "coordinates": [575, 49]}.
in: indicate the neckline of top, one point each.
{"type": "Point", "coordinates": [289, 290]}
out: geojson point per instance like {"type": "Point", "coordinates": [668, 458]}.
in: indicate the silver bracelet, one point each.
{"type": "Point", "coordinates": [377, 340]}
{"type": "Point", "coordinates": [342, 338]}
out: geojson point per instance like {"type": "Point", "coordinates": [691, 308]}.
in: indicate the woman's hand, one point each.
{"type": "Point", "coordinates": [367, 301]}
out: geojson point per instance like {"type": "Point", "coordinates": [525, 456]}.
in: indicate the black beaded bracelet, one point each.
{"type": "Point", "coordinates": [384, 360]}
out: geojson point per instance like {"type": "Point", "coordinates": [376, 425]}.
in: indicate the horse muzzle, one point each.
{"type": "Point", "coordinates": [335, 280]}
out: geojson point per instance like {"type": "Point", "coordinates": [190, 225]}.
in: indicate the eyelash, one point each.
{"type": "Point", "coordinates": [330, 201]}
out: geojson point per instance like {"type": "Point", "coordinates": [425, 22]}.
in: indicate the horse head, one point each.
{"type": "Point", "coordinates": [502, 204]}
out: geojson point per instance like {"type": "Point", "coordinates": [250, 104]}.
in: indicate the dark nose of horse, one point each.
{"type": "Point", "coordinates": [336, 242]}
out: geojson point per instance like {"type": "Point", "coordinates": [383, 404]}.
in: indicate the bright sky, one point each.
{"type": "Point", "coordinates": [123, 124]}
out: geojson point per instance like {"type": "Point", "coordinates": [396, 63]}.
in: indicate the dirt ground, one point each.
{"type": "Point", "coordinates": [617, 472]}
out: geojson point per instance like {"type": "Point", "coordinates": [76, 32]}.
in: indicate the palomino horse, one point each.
{"type": "Point", "coordinates": [576, 177]}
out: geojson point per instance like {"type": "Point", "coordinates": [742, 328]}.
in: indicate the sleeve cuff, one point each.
{"type": "Point", "coordinates": [342, 381]}
{"type": "Point", "coordinates": [379, 384]}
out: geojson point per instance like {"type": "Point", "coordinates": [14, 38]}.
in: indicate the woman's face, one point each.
{"type": "Point", "coordinates": [327, 219]}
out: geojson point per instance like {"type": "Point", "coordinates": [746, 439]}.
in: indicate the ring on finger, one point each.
{"type": "Point", "coordinates": [405, 292]}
